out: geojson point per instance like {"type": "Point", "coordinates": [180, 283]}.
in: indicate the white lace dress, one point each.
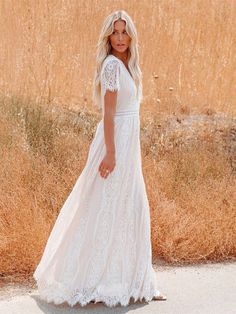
{"type": "Point", "coordinates": [100, 246]}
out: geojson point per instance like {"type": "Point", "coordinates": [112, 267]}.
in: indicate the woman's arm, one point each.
{"type": "Point", "coordinates": [108, 162]}
{"type": "Point", "coordinates": [110, 83]}
{"type": "Point", "coordinates": [110, 99]}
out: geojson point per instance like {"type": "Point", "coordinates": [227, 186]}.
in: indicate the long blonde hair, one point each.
{"type": "Point", "coordinates": [104, 48]}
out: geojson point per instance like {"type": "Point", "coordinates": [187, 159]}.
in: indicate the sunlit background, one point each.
{"type": "Point", "coordinates": [188, 124]}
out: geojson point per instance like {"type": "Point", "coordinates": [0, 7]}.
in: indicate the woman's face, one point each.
{"type": "Point", "coordinates": [119, 38]}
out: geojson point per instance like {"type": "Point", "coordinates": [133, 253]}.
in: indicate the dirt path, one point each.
{"type": "Point", "coordinates": [204, 289]}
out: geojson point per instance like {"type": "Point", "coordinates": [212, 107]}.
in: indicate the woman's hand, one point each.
{"type": "Point", "coordinates": [108, 163]}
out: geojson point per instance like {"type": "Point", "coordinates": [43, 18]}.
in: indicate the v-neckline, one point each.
{"type": "Point", "coordinates": [123, 65]}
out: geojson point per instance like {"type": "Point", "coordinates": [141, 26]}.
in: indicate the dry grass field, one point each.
{"type": "Point", "coordinates": [187, 51]}
{"type": "Point", "coordinates": [188, 124]}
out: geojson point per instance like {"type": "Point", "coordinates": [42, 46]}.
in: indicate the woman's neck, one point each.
{"type": "Point", "coordinates": [122, 56]}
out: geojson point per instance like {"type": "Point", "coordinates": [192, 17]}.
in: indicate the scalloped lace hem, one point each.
{"type": "Point", "coordinates": [57, 293]}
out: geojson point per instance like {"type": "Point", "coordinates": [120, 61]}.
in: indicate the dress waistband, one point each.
{"type": "Point", "coordinates": [127, 113]}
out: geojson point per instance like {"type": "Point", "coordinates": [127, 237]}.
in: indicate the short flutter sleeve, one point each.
{"type": "Point", "coordinates": [110, 76]}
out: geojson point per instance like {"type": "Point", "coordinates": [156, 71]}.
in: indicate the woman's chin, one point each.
{"type": "Point", "coordinates": [121, 48]}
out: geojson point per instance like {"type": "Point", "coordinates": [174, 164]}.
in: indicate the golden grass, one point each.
{"type": "Point", "coordinates": [191, 178]}
{"type": "Point", "coordinates": [187, 51]}
{"type": "Point", "coordinates": [37, 173]}
{"type": "Point", "coordinates": [188, 131]}
{"type": "Point", "coordinates": [193, 206]}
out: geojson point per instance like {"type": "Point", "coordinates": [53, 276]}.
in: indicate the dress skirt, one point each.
{"type": "Point", "coordinates": [100, 247]}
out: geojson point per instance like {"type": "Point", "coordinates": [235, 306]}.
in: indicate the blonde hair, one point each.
{"type": "Point", "coordinates": [104, 48]}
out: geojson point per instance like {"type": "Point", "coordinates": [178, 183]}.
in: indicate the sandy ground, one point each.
{"type": "Point", "coordinates": [203, 289]}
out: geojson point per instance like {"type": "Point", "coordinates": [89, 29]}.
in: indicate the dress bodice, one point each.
{"type": "Point", "coordinates": [115, 76]}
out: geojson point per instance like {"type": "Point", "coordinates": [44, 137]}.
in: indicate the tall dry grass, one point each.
{"type": "Point", "coordinates": [42, 155]}
{"type": "Point", "coordinates": [47, 121]}
{"type": "Point", "coordinates": [187, 51]}
{"type": "Point", "coordinates": [191, 179]}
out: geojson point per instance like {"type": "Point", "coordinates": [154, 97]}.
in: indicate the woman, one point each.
{"type": "Point", "coordinates": [99, 249]}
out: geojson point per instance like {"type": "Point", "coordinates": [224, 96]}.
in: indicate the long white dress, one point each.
{"type": "Point", "coordinates": [100, 246]}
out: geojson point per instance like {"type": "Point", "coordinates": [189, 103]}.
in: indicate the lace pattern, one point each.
{"type": "Point", "coordinates": [110, 76]}
{"type": "Point", "coordinates": [106, 218]}
{"type": "Point", "coordinates": [58, 293]}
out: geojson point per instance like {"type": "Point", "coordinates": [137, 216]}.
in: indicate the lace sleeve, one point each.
{"type": "Point", "coordinates": [110, 76]}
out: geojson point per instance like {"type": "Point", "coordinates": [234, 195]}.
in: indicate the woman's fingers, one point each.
{"type": "Point", "coordinates": [103, 171]}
